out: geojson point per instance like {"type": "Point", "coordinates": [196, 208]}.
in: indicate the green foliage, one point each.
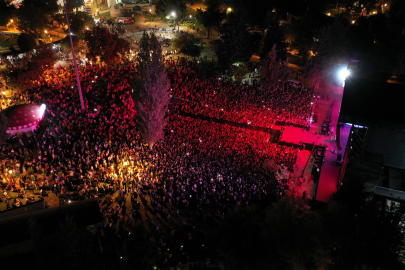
{"type": "Point", "coordinates": [274, 36]}
{"type": "Point", "coordinates": [101, 42]}
{"type": "Point", "coordinates": [6, 12]}
{"type": "Point", "coordinates": [79, 21]}
{"type": "Point", "coordinates": [3, 128]}
{"type": "Point", "coordinates": [235, 41]}
{"type": "Point", "coordinates": [187, 43]}
{"type": "Point", "coordinates": [154, 96]}
{"type": "Point", "coordinates": [256, 11]}
{"type": "Point", "coordinates": [285, 235]}
{"type": "Point", "coordinates": [69, 248]}
{"type": "Point", "coordinates": [73, 5]}
{"type": "Point", "coordinates": [44, 58]}
{"type": "Point", "coordinates": [34, 15]}
{"type": "Point", "coordinates": [140, 249]}
{"type": "Point", "coordinates": [26, 42]}
{"type": "Point", "coordinates": [306, 28]}
{"type": "Point", "coordinates": [212, 16]}
{"type": "Point", "coordinates": [274, 71]}
{"type": "Point", "coordinates": [166, 7]}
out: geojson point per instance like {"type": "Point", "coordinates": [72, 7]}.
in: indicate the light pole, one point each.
{"type": "Point", "coordinates": [12, 21]}
{"type": "Point", "coordinates": [174, 17]}
{"type": "Point", "coordinates": [74, 60]}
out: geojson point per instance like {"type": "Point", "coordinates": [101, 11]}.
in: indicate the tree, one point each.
{"type": "Point", "coordinates": [44, 58]}
{"type": "Point", "coordinates": [3, 128]}
{"type": "Point", "coordinates": [235, 38]}
{"type": "Point", "coordinates": [320, 62]}
{"type": "Point", "coordinates": [212, 16]}
{"type": "Point", "coordinates": [73, 5]}
{"type": "Point", "coordinates": [361, 233]}
{"type": "Point", "coordinates": [79, 22]}
{"type": "Point", "coordinates": [140, 249]}
{"type": "Point", "coordinates": [26, 42]}
{"type": "Point", "coordinates": [274, 36]}
{"type": "Point", "coordinates": [34, 15]}
{"type": "Point", "coordinates": [274, 71]}
{"type": "Point", "coordinates": [7, 12]}
{"type": "Point", "coordinates": [166, 7]}
{"type": "Point", "coordinates": [102, 43]}
{"type": "Point", "coordinates": [285, 235]}
{"type": "Point", "coordinates": [70, 248]}
{"type": "Point", "coordinates": [187, 43]}
{"type": "Point", "coordinates": [154, 96]}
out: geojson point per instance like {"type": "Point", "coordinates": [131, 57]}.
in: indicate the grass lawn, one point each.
{"type": "Point", "coordinates": [6, 44]}
{"type": "Point", "coordinates": [100, 7]}
{"type": "Point", "coordinates": [106, 15]}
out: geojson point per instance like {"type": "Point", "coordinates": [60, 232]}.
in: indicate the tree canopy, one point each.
{"type": "Point", "coordinates": [274, 36]}
{"type": "Point", "coordinates": [154, 96]}
{"type": "Point", "coordinates": [187, 43]}
{"type": "Point", "coordinates": [235, 41]}
{"type": "Point", "coordinates": [285, 235]}
{"type": "Point", "coordinates": [26, 42]}
{"type": "Point", "coordinates": [104, 44]}
{"type": "Point", "coordinates": [274, 71]}
{"type": "Point", "coordinates": [166, 7]}
{"type": "Point", "coordinates": [212, 16]}
{"type": "Point", "coordinates": [7, 12]}
{"type": "Point", "coordinates": [34, 15]}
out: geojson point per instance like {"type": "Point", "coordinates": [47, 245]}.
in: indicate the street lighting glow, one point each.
{"type": "Point", "coordinates": [46, 32]}
{"type": "Point", "coordinates": [229, 9]}
{"type": "Point", "coordinates": [11, 20]}
{"type": "Point", "coordinates": [173, 14]}
{"type": "Point", "coordinates": [328, 14]}
{"type": "Point", "coordinates": [353, 22]}
{"type": "Point", "coordinates": [344, 73]}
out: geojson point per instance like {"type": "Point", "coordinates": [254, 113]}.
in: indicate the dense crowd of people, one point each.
{"type": "Point", "coordinates": [242, 103]}
{"type": "Point", "coordinates": [189, 180]}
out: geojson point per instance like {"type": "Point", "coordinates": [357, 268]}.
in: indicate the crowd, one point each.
{"type": "Point", "coordinates": [242, 103]}
{"type": "Point", "coordinates": [186, 183]}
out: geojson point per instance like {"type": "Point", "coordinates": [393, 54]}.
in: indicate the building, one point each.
{"type": "Point", "coordinates": [374, 105]}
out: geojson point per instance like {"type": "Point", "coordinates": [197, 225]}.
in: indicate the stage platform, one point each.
{"type": "Point", "coordinates": [323, 189]}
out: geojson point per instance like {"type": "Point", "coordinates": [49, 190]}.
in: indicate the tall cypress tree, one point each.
{"type": "Point", "coordinates": [274, 71]}
{"type": "Point", "coordinates": [154, 95]}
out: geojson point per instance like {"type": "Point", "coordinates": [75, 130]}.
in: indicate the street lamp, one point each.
{"type": "Point", "coordinates": [12, 22]}
{"type": "Point", "coordinates": [173, 14]}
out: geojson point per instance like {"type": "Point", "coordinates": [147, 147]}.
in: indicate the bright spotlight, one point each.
{"type": "Point", "coordinates": [173, 14]}
{"type": "Point", "coordinates": [42, 110]}
{"type": "Point", "coordinates": [344, 73]}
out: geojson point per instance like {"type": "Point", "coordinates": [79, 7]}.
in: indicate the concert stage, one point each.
{"type": "Point", "coordinates": [329, 173]}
